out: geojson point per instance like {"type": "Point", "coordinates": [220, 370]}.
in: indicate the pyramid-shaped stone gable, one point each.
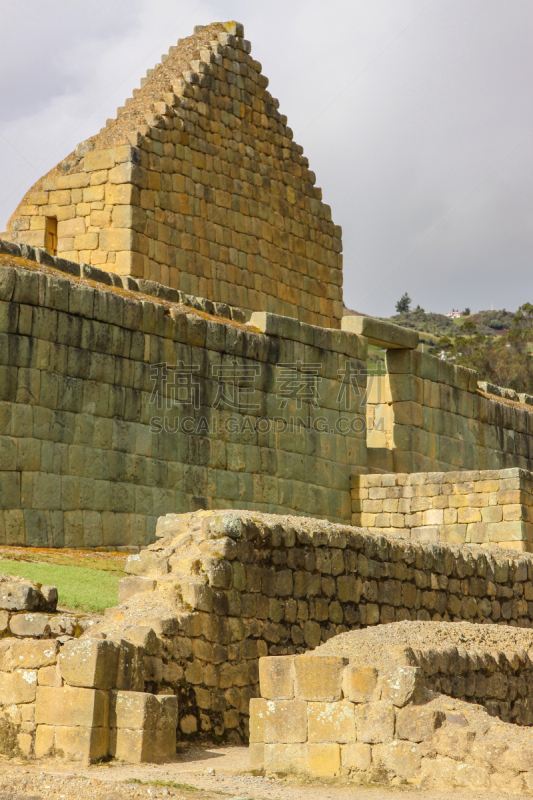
{"type": "Point", "coordinates": [198, 185]}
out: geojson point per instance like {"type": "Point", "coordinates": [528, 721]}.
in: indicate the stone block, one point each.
{"type": "Point", "coordinates": [258, 714]}
{"type": "Point", "coordinates": [319, 677]}
{"type": "Point", "coordinates": [143, 636]}
{"type": "Point", "coordinates": [49, 676]}
{"type": "Point", "coordinates": [44, 740]}
{"type": "Point", "coordinates": [81, 744]}
{"type": "Point", "coordinates": [286, 758]}
{"type": "Point", "coordinates": [72, 707]}
{"type": "Point", "coordinates": [16, 597]}
{"type": "Point", "coordinates": [453, 741]}
{"type": "Point", "coordinates": [135, 710]}
{"type": "Point", "coordinates": [99, 159]}
{"type": "Point", "coordinates": [34, 625]}
{"type": "Point", "coordinates": [356, 756]}
{"type": "Point", "coordinates": [34, 653]}
{"type": "Point", "coordinates": [380, 333]}
{"type": "Point", "coordinates": [276, 677]}
{"type": "Point", "coordinates": [399, 684]}
{"type": "Point", "coordinates": [331, 722]}
{"type": "Point", "coordinates": [418, 724]}
{"type": "Point", "coordinates": [359, 683]}
{"type": "Point", "coordinates": [374, 722]}
{"type": "Point", "coordinates": [18, 687]}
{"type": "Point", "coordinates": [168, 711]}
{"type": "Point", "coordinates": [92, 663]}
{"type": "Point", "coordinates": [138, 746]}
{"type": "Point", "coordinates": [256, 756]}
{"type": "Point", "coordinates": [323, 760]}
{"type": "Point", "coordinates": [401, 759]}
{"type": "Point", "coordinates": [286, 721]}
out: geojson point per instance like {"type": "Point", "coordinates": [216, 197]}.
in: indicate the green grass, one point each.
{"type": "Point", "coordinates": [79, 588]}
{"type": "Point", "coordinates": [183, 786]}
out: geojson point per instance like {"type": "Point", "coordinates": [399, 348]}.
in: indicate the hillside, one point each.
{"type": "Point", "coordinates": [498, 344]}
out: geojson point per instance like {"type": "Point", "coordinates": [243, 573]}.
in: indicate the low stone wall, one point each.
{"type": "Point", "coordinates": [321, 716]}
{"type": "Point", "coordinates": [65, 694]}
{"type": "Point", "coordinates": [488, 665]}
{"type": "Point", "coordinates": [489, 507]}
{"type": "Point", "coordinates": [223, 589]}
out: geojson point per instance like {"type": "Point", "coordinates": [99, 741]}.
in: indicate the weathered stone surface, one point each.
{"type": "Point", "coordinates": [18, 687]}
{"type": "Point", "coordinates": [398, 758]}
{"type": "Point", "coordinates": [398, 685]}
{"type": "Point", "coordinates": [92, 663]}
{"type": "Point", "coordinates": [286, 721]}
{"type": "Point", "coordinates": [135, 710]}
{"type": "Point", "coordinates": [323, 760]}
{"type": "Point", "coordinates": [18, 597]}
{"type": "Point", "coordinates": [285, 758]}
{"type": "Point", "coordinates": [72, 707]}
{"type": "Point", "coordinates": [34, 653]}
{"type": "Point", "coordinates": [417, 723]}
{"type": "Point", "coordinates": [35, 625]}
{"type": "Point", "coordinates": [318, 679]}
{"type": "Point", "coordinates": [276, 677]}
{"type": "Point", "coordinates": [331, 722]}
{"type": "Point", "coordinates": [360, 683]}
{"type": "Point", "coordinates": [374, 722]}
{"type": "Point", "coordinates": [84, 745]}
{"type": "Point", "coordinates": [380, 333]}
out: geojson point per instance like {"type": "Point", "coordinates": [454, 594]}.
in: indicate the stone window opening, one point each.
{"type": "Point", "coordinates": [50, 235]}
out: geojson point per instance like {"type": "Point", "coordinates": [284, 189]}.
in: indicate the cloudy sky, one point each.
{"type": "Point", "coordinates": [416, 116]}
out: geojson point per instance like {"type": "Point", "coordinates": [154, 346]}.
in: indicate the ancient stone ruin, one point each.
{"type": "Point", "coordinates": [177, 381]}
{"type": "Point", "coordinates": [198, 185]}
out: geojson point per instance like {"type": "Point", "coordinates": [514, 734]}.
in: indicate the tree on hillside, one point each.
{"type": "Point", "coordinates": [504, 360]}
{"type": "Point", "coordinates": [469, 328]}
{"type": "Point", "coordinates": [403, 306]}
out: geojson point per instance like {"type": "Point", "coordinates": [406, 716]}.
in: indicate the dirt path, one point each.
{"type": "Point", "coordinates": [209, 773]}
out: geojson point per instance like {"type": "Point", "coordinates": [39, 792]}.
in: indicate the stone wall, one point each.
{"type": "Point", "coordinates": [489, 507]}
{"type": "Point", "coordinates": [222, 589]}
{"type": "Point", "coordinates": [322, 716]}
{"type": "Point", "coordinates": [442, 421]}
{"type": "Point", "coordinates": [198, 185]}
{"type": "Point", "coordinates": [66, 694]}
{"type": "Point", "coordinates": [96, 441]}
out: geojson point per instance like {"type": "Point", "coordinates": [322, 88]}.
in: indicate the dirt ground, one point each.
{"type": "Point", "coordinates": [207, 773]}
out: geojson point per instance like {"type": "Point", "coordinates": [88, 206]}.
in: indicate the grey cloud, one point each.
{"type": "Point", "coordinates": [404, 142]}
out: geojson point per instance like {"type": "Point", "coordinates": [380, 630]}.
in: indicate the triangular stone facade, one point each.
{"type": "Point", "coordinates": [198, 185]}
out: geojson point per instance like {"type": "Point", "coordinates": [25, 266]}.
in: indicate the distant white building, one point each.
{"type": "Point", "coordinates": [454, 314]}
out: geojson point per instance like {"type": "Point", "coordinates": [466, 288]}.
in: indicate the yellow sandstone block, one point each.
{"type": "Point", "coordinates": [319, 677]}
{"type": "Point", "coordinates": [276, 677]}
{"type": "Point", "coordinates": [331, 722]}
{"type": "Point", "coordinates": [99, 159]}
{"type": "Point", "coordinates": [323, 760]}
{"type": "Point", "coordinates": [123, 194]}
{"type": "Point", "coordinates": [87, 241]}
{"type": "Point", "coordinates": [359, 683]}
{"type": "Point", "coordinates": [70, 227]}
{"type": "Point", "coordinates": [116, 239]}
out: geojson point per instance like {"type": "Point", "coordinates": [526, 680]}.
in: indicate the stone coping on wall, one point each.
{"type": "Point", "coordinates": [487, 507]}
{"type": "Point", "coordinates": [323, 716]}
{"type": "Point", "coordinates": [329, 339]}
{"type": "Point", "coordinates": [151, 288]}
{"type": "Point", "coordinates": [382, 334]}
